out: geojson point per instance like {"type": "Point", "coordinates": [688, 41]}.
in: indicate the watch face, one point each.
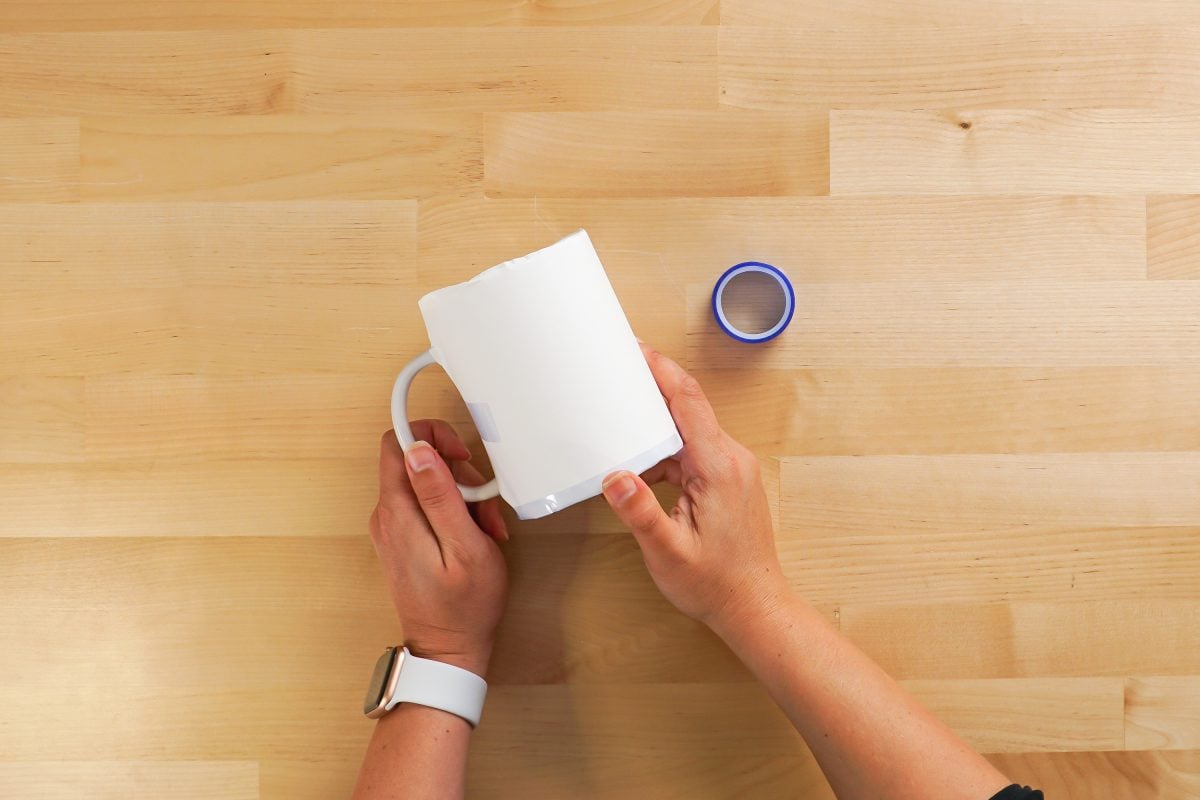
{"type": "Point", "coordinates": [376, 691]}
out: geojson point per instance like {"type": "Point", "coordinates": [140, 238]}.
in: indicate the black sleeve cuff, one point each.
{"type": "Point", "coordinates": [1016, 792]}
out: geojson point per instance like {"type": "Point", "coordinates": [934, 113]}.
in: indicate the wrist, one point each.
{"type": "Point", "coordinates": [473, 659]}
{"type": "Point", "coordinates": [752, 608]}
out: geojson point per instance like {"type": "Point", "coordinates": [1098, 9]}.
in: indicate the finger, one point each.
{"type": "Point", "coordinates": [487, 512]}
{"type": "Point", "coordinates": [440, 498]}
{"type": "Point", "coordinates": [693, 414]}
{"type": "Point", "coordinates": [666, 470]}
{"type": "Point", "coordinates": [443, 437]}
{"type": "Point", "coordinates": [395, 491]}
{"type": "Point", "coordinates": [491, 519]}
{"type": "Point", "coordinates": [635, 505]}
{"type": "Point", "coordinates": [397, 519]}
{"type": "Point", "coordinates": [394, 486]}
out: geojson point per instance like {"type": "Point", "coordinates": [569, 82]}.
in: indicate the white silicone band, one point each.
{"type": "Point", "coordinates": [439, 685]}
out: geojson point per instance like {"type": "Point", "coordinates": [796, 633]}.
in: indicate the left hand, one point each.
{"type": "Point", "coordinates": [444, 568]}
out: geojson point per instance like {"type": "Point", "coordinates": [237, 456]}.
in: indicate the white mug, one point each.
{"type": "Point", "coordinates": [552, 376]}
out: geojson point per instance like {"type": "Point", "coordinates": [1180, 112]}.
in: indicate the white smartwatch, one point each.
{"type": "Point", "coordinates": [401, 677]}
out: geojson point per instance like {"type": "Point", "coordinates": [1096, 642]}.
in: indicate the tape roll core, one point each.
{"type": "Point", "coordinates": [718, 302]}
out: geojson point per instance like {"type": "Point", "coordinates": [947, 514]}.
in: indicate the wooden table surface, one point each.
{"type": "Point", "coordinates": [981, 431]}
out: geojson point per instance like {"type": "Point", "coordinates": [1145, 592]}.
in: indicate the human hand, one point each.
{"type": "Point", "coordinates": [714, 555]}
{"type": "Point", "coordinates": [444, 568]}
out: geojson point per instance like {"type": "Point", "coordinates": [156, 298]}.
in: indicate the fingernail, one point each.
{"type": "Point", "coordinates": [619, 487]}
{"type": "Point", "coordinates": [420, 456]}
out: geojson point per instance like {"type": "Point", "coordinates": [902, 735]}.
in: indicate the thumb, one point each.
{"type": "Point", "coordinates": [635, 505]}
{"type": "Point", "coordinates": [438, 495]}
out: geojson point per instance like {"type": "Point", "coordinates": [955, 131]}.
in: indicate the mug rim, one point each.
{"type": "Point", "coordinates": [504, 266]}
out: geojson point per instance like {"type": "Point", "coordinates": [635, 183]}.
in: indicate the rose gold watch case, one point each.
{"type": "Point", "coordinates": [389, 687]}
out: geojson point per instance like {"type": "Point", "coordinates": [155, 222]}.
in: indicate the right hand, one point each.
{"type": "Point", "coordinates": [714, 555]}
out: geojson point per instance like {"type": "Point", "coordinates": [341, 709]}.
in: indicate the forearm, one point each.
{"type": "Point", "coordinates": [415, 753]}
{"type": "Point", "coordinates": [870, 737]}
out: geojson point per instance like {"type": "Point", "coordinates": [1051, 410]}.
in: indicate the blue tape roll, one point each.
{"type": "Point", "coordinates": [732, 330]}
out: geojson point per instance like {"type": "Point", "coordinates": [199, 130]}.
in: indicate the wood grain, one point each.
{"type": "Point", "coordinates": [198, 72]}
{"type": "Point", "coordinates": [1048, 527]}
{"type": "Point", "coordinates": [853, 496]}
{"type": "Point", "coordinates": [253, 415]}
{"type": "Point", "coordinates": [567, 69]}
{"type": "Point", "coordinates": [134, 780]}
{"type": "Point", "coordinates": [151, 498]}
{"type": "Point", "coordinates": [305, 328]}
{"type": "Point", "coordinates": [188, 602]}
{"type": "Point", "coordinates": [999, 716]}
{"type": "Point", "coordinates": [1162, 713]}
{"type": "Point", "coordinates": [1097, 151]}
{"type": "Point", "coordinates": [92, 247]}
{"type": "Point", "coordinates": [196, 417]}
{"type": "Point", "coordinates": [279, 157]}
{"type": "Point", "coordinates": [61, 331]}
{"type": "Point", "coordinates": [653, 247]}
{"type": "Point", "coordinates": [264, 71]}
{"type": "Point", "coordinates": [271, 329]}
{"type": "Point", "coordinates": [668, 241]}
{"type": "Point", "coordinates": [39, 160]}
{"type": "Point", "coordinates": [696, 754]}
{"type": "Point", "coordinates": [1038, 562]}
{"type": "Point", "coordinates": [662, 153]}
{"type": "Point", "coordinates": [672, 717]}
{"type": "Point", "coordinates": [1027, 639]}
{"type": "Point", "coordinates": [575, 593]}
{"type": "Point", "coordinates": [1163, 775]}
{"type": "Point", "coordinates": [1173, 236]}
{"type": "Point", "coordinates": [307, 779]}
{"type": "Point", "coordinates": [886, 15]}
{"type": "Point", "coordinates": [946, 66]}
{"type": "Point", "coordinates": [930, 410]}
{"type": "Point", "coordinates": [43, 419]}
{"type": "Point", "coordinates": [37, 15]}
{"type": "Point", "coordinates": [219, 575]}
{"type": "Point", "coordinates": [1045, 324]}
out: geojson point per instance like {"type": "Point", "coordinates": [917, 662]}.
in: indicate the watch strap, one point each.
{"type": "Point", "coordinates": [439, 685]}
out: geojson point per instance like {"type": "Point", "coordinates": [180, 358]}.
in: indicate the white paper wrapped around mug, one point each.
{"type": "Point", "coordinates": [552, 374]}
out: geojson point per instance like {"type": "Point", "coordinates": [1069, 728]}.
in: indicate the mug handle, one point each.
{"type": "Point", "coordinates": [472, 494]}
